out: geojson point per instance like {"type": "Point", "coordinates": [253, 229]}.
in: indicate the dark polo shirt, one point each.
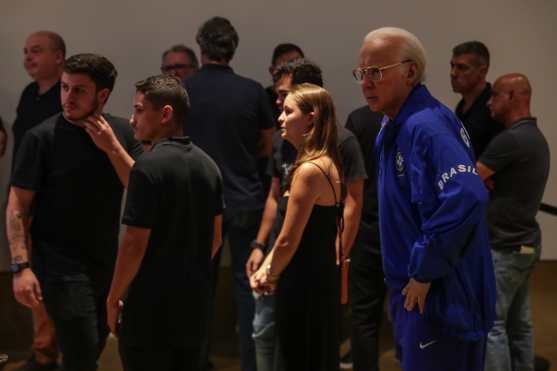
{"type": "Point", "coordinates": [33, 108]}
{"type": "Point", "coordinates": [520, 158]}
{"type": "Point", "coordinates": [478, 122]}
{"type": "Point", "coordinates": [227, 114]}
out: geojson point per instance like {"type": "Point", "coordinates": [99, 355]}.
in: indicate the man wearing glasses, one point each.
{"type": "Point", "coordinates": [179, 61]}
{"type": "Point", "coordinates": [432, 205]}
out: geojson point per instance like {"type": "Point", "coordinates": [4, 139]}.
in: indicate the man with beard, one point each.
{"type": "Point", "coordinates": [65, 195]}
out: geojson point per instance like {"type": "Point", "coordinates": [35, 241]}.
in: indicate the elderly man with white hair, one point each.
{"type": "Point", "coordinates": [432, 205]}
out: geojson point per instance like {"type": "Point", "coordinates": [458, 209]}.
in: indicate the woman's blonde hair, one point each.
{"type": "Point", "coordinates": [321, 138]}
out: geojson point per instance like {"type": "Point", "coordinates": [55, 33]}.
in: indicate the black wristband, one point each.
{"type": "Point", "coordinates": [18, 267]}
{"type": "Point", "coordinates": [257, 245]}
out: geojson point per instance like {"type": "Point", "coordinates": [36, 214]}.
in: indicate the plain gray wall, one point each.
{"type": "Point", "coordinates": [520, 35]}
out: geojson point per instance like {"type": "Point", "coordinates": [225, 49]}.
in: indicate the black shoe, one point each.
{"type": "Point", "coordinates": [32, 365]}
{"type": "Point", "coordinates": [346, 362]}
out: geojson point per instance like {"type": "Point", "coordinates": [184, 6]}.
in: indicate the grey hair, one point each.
{"type": "Point", "coordinates": [411, 47]}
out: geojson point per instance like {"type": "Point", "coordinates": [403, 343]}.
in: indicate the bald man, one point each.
{"type": "Point", "coordinates": [515, 166]}
{"type": "Point", "coordinates": [44, 53]}
{"type": "Point", "coordinates": [432, 204]}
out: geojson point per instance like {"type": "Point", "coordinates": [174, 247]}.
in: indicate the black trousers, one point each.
{"type": "Point", "coordinates": [367, 294]}
{"type": "Point", "coordinates": [137, 358]}
{"type": "Point", "coordinates": [78, 312]}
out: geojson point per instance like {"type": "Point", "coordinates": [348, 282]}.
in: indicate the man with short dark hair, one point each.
{"type": "Point", "coordinates": [44, 54]}
{"type": "Point", "coordinates": [469, 67]}
{"type": "Point", "coordinates": [280, 164]}
{"type": "Point", "coordinates": [231, 120]}
{"type": "Point", "coordinates": [173, 217]}
{"type": "Point", "coordinates": [65, 195]}
{"type": "Point", "coordinates": [179, 61]}
{"type": "Point", "coordinates": [282, 54]}
{"type": "Point", "coordinates": [517, 162]}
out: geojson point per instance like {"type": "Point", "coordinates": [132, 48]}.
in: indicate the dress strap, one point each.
{"type": "Point", "coordinates": [328, 180]}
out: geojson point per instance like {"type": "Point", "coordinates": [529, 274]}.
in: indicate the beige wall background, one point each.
{"type": "Point", "coordinates": [520, 34]}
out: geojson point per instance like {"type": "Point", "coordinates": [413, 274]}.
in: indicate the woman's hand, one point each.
{"type": "Point", "coordinates": [260, 283]}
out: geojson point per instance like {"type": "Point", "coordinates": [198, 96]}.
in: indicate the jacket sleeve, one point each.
{"type": "Point", "coordinates": [450, 199]}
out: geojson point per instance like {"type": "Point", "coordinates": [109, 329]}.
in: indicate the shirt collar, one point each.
{"type": "Point", "coordinates": [418, 97]}
{"type": "Point", "coordinates": [216, 67]}
{"type": "Point", "coordinates": [173, 140]}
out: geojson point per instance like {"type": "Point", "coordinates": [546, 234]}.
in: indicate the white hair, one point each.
{"type": "Point", "coordinates": [411, 47]}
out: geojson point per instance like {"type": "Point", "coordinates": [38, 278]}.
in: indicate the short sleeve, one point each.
{"type": "Point", "coordinates": [500, 152]}
{"type": "Point", "coordinates": [141, 202]}
{"type": "Point", "coordinates": [29, 163]}
{"type": "Point", "coordinates": [352, 160]}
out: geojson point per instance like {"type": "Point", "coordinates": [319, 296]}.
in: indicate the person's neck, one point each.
{"type": "Point", "coordinates": [470, 97]}
{"type": "Point", "coordinates": [392, 112]}
{"type": "Point", "coordinates": [516, 116]}
{"type": "Point", "coordinates": [46, 84]}
{"type": "Point", "coordinates": [206, 60]}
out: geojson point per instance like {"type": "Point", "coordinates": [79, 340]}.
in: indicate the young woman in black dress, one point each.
{"type": "Point", "coordinates": [301, 267]}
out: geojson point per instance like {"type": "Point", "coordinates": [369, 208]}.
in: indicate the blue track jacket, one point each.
{"type": "Point", "coordinates": [432, 207]}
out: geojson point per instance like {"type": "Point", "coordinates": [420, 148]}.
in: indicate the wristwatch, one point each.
{"type": "Point", "coordinates": [18, 267]}
{"type": "Point", "coordinates": [257, 245]}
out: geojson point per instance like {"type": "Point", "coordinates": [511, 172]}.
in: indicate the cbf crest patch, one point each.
{"type": "Point", "coordinates": [465, 137]}
{"type": "Point", "coordinates": [399, 162]}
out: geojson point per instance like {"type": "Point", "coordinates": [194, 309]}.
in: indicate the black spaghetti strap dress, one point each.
{"type": "Point", "coordinates": [307, 295]}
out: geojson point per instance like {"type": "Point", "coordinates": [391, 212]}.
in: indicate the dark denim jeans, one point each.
{"type": "Point", "coordinates": [510, 341]}
{"type": "Point", "coordinates": [78, 312]}
{"type": "Point", "coordinates": [239, 229]}
{"type": "Point", "coordinates": [264, 334]}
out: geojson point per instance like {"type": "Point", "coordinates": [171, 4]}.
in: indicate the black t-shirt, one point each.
{"type": "Point", "coordinates": [520, 158]}
{"type": "Point", "coordinates": [175, 191]}
{"type": "Point", "coordinates": [227, 114]}
{"type": "Point", "coordinates": [272, 97]}
{"type": "Point", "coordinates": [32, 109]}
{"type": "Point", "coordinates": [77, 199]}
{"type": "Point", "coordinates": [284, 156]}
{"type": "Point", "coordinates": [478, 122]}
{"type": "Point", "coordinates": [366, 124]}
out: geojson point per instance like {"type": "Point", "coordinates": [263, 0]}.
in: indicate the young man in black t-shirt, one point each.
{"type": "Point", "coordinates": [173, 217]}
{"type": "Point", "coordinates": [65, 196]}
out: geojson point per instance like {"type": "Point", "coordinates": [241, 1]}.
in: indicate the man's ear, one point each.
{"type": "Point", "coordinates": [411, 73]}
{"type": "Point", "coordinates": [484, 69]}
{"type": "Point", "coordinates": [103, 95]}
{"type": "Point", "coordinates": [59, 58]}
{"type": "Point", "coordinates": [167, 114]}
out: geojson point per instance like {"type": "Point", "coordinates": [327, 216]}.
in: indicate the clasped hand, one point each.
{"type": "Point", "coordinates": [259, 282]}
